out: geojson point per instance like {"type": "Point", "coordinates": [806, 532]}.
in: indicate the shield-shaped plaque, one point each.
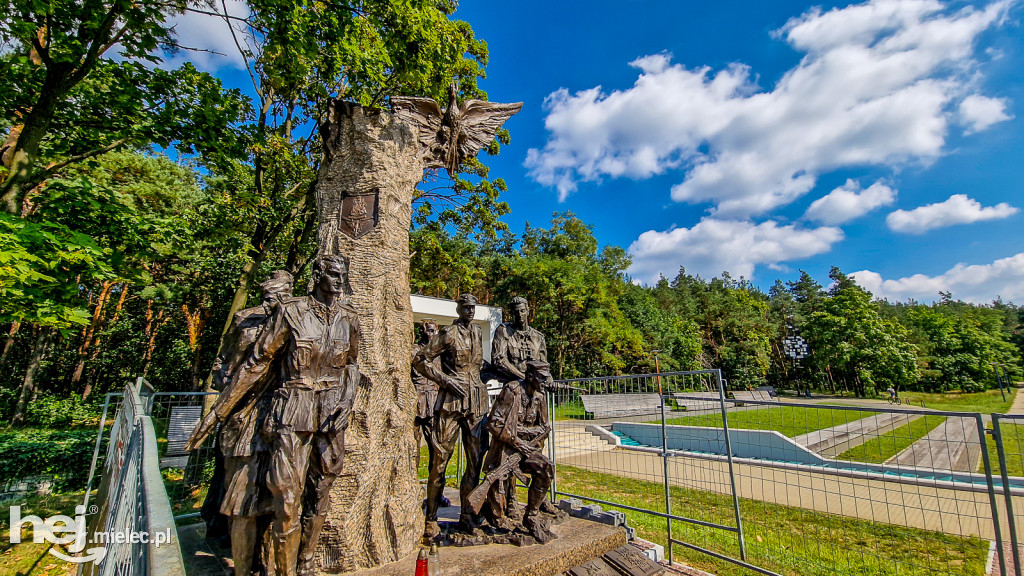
{"type": "Point", "coordinates": [359, 212]}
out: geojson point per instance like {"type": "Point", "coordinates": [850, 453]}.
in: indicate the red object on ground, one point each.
{"type": "Point", "coordinates": [421, 563]}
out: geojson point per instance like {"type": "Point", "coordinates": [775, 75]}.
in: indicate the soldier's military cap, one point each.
{"type": "Point", "coordinates": [278, 279]}
{"type": "Point", "coordinates": [467, 299]}
{"type": "Point", "coordinates": [540, 367]}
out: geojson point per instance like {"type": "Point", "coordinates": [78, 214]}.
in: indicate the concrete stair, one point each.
{"type": "Point", "coordinates": [576, 439]}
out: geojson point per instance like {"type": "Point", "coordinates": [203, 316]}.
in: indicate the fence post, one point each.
{"type": "Point", "coordinates": [997, 435]}
{"type": "Point", "coordinates": [551, 446]}
{"type": "Point", "coordinates": [732, 471]}
{"type": "Point", "coordinates": [991, 494]}
{"type": "Point", "coordinates": [668, 490]}
{"type": "Point", "coordinates": [96, 450]}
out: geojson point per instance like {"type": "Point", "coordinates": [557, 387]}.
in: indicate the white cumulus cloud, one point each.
{"type": "Point", "coordinates": [714, 245]}
{"type": "Point", "coordinates": [878, 84]}
{"type": "Point", "coordinates": [980, 112]}
{"type": "Point", "coordinates": [210, 37]}
{"type": "Point", "coordinates": [970, 282]}
{"type": "Point", "coordinates": [848, 202]}
{"type": "Point", "coordinates": [957, 209]}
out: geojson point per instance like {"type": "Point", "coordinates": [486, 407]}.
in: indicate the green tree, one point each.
{"type": "Point", "coordinates": [299, 57]}
{"type": "Point", "coordinates": [65, 100]}
{"type": "Point", "coordinates": [856, 347]}
{"type": "Point", "coordinates": [958, 344]}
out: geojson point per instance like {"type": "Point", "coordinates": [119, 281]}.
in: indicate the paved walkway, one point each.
{"type": "Point", "coordinates": [953, 445]}
{"type": "Point", "coordinates": [1018, 403]}
{"type": "Point", "coordinates": [958, 512]}
{"type": "Point", "coordinates": [833, 441]}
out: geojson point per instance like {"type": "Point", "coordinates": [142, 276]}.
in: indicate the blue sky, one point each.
{"type": "Point", "coordinates": [766, 137]}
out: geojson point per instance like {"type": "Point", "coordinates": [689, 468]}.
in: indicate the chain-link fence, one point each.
{"type": "Point", "coordinates": [789, 487]}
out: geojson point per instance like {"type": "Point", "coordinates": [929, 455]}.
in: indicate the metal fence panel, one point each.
{"type": "Point", "coordinates": [187, 475]}
{"type": "Point", "coordinates": [132, 499]}
{"type": "Point", "coordinates": [1007, 436]}
{"type": "Point", "coordinates": [790, 486]}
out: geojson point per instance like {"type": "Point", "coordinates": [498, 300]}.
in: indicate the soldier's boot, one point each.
{"type": "Point", "coordinates": [307, 550]}
{"type": "Point", "coordinates": [431, 529]}
{"type": "Point", "coordinates": [514, 510]}
{"type": "Point", "coordinates": [548, 507]}
{"type": "Point", "coordinates": [533, 521]}
{"type": "Point", "coordinates": [467, 523]}
{"type": "Point", "coordinates": [286, 550]}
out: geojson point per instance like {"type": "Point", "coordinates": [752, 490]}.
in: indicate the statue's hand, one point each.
{"type": "Point", "coordinates": [524, 447]}
{"type": "Point", "coordinates": [455, 387]}
{"type": "Point", "coordinates": [202, 431]}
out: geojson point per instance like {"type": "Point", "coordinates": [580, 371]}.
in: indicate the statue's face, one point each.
{"type": "Point", "coordinates": [332, 279]}
{"type": "Point", "coordinates": [533, 380]}
{"type": "Point", "coordinates": [520, 314]}
{"type": "Point", "coordinates": [430, 330]}
{"type": "Point", "coordinates": [276, 293]}
{"type": "Point", "coordinates": [466, 312]}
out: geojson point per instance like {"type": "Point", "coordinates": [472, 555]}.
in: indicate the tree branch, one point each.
{"type": "Point", "coordinates": [241, 52]}
{"type": "Point", "coordinates": [92, 55]}
{"type": "Point", "coordinates": [55, 167]}
{"type": "Point", "coordinates": [37, 45]}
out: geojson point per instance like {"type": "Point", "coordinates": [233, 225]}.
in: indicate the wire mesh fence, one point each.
{"type": "Point", "coordinates": [790, 487]}
{"type": "Point", "coordinates": [187, 475]}
{"type": "Point", "coordinates": [1006, 453]}
{"type": "Point", "coordinates": [752, 481]}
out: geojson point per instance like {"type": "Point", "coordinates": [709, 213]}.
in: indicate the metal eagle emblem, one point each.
{"type": "Point", "coordinates": [359, 213]}
{"type": "Point", "coordinates": [452, 136]}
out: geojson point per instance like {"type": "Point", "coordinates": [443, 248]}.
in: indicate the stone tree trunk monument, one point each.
{"type": "Point", "coordinates": [373, 161]}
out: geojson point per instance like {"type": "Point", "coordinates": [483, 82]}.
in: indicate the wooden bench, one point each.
{"type": "Point", "coordinates": [697, 400]}
{"type": "Point", "coordinates": [182, 422]}
{"type": "Point", "coordinates": [759, 395]}
{"type": "Point", "coordinates": [616, 405]}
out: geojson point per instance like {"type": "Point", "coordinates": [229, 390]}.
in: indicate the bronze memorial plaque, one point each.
{"type": "Point", "coordinates": [359, 212]}
{"type": "Point", "coordinates": [629, 560]}
{"type": "Point", "coordinates": [595, 567]}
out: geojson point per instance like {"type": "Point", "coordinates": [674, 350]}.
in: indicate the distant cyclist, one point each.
{"type": "Point", "coordinates": [893, 397]}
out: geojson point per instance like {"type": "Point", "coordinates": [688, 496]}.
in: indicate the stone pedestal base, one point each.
{"type": "Point", "coordinates": [578, 541]}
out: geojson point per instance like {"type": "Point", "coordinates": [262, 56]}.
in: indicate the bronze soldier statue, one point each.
{"type": "Point", "coordinates": [426, 398]}
{"type": "Point", "coordinates": [426, 389]}
{"type": "Point", "coordinates": [460, 407]}
{"type": "Point", "coordinates": [240, 453]}
{"type": "Point", "coordinates": [516, 343]}
{"type": "Point", "coordinates": [518, 424]}
{"type": "Point", "coordinates": [313, 344]}
{"type": "Point", "coordinates": [245, 325]}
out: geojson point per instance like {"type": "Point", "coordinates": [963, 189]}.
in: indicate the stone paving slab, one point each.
{"type": "Point", "coordinates": [952, 445]}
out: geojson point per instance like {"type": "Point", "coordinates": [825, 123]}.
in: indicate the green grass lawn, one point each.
{"type": "Point", "coordinates": [1013, 446]}
{"type": "Point", "coordinates": [788, 420]}
{"type": "Point", "coordinates": [570, 410]}
{"type": "Point", "coordinates": [984, 402]}
{"type": "Point", "coordinates": [879, 449]}
{"type": "Point", "coordinates": [28, 558]}
{"type": "Point", "coordinates": [787, 540]}
{"type": "Point", "coordinates": [451, 472]}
